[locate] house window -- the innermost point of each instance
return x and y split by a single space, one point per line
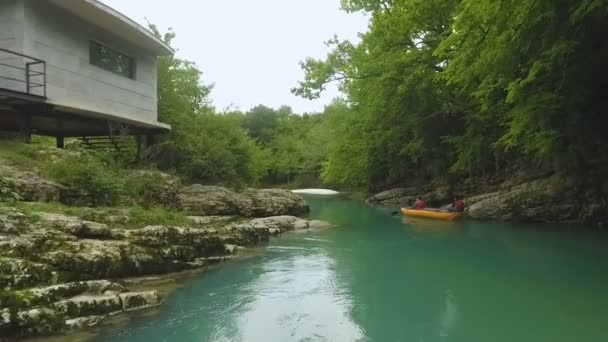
112 60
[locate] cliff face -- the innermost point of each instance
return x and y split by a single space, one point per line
540 197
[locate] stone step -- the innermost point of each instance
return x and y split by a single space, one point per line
106 304
74 313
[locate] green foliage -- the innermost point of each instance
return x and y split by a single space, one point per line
294 146
19 154
466 86
85 172
140 217
150 188
203 146
116 217
7 193
209 148
262 123
348 161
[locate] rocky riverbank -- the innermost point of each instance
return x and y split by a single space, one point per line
66 264
61 272
535 197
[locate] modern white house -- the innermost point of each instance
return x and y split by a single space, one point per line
76 68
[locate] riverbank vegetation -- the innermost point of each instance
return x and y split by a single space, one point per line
433 90
467 87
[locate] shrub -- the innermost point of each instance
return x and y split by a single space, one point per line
7 194
150 188
86 173
210 148
19 154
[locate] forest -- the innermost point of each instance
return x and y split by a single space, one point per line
433 89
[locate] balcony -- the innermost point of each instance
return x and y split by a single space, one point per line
22 74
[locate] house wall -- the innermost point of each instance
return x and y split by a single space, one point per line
11 38
62 40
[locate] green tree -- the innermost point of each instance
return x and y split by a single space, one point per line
401 105
348 157
533 70
203 145
465 86
261 123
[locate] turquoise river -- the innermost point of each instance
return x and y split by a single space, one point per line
378 277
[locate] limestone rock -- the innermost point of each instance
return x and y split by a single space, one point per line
77 227
139 300
62 291
83 322
7 226
29 185
202 200
88 305
301 224
34 321
213 200
32 245
318 224
403 197
69 224
273 202
518 195
277 224
105 259
18 273
284 223
94 230
216 259
536 201
390 197
211 220
178 242
231 249
245 234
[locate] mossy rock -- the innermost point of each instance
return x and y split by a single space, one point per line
18 274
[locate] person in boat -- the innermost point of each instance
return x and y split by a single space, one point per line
457 206
420 204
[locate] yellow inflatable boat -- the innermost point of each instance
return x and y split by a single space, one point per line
432 214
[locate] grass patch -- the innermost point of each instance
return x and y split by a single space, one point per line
20 154
115 217
141 217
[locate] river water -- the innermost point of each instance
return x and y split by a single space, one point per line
378 277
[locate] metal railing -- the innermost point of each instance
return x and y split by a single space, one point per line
22 73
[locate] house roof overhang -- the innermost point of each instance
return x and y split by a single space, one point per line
101 15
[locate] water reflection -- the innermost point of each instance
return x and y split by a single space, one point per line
449 316
379 278
298 299
425 226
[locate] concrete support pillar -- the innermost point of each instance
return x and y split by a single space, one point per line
60 141
138 142
149 140
25 127
60 134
